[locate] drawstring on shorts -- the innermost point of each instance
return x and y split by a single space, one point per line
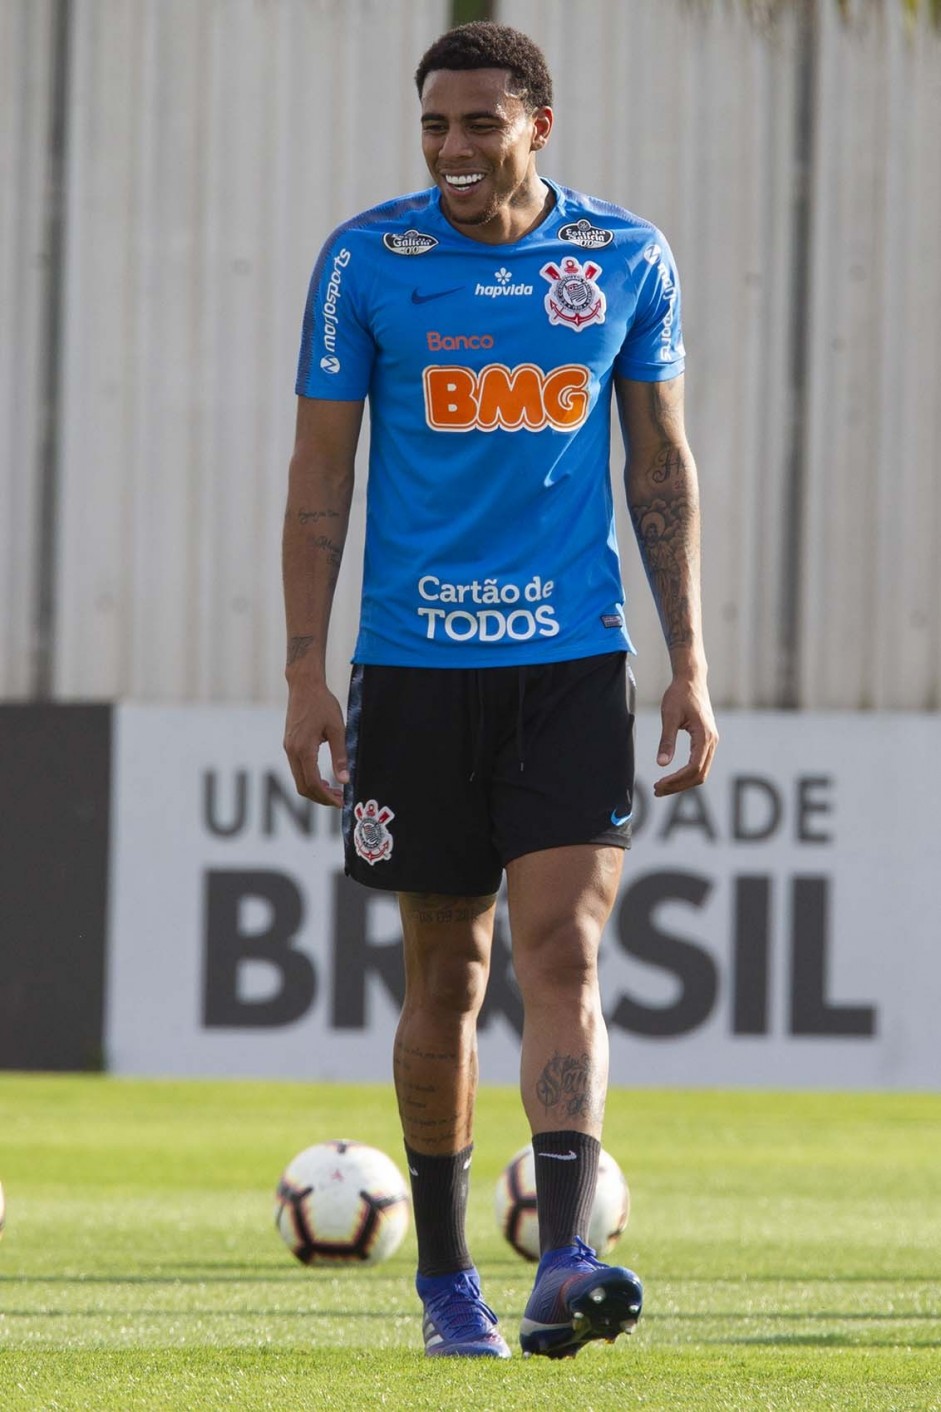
480 724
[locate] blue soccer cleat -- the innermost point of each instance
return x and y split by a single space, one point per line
457 1323
576 1298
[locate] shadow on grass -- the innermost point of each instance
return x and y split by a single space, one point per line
833 1340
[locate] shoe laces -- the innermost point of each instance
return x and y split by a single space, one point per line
584 1257
460 1312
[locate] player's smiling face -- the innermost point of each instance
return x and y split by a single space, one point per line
480 142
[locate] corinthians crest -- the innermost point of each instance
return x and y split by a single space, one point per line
574 298
371 839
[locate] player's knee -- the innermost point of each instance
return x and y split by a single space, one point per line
562 960
451 986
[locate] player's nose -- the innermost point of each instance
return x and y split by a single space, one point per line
454 145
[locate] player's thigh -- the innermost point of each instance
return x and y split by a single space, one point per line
447 941
559 902
415 816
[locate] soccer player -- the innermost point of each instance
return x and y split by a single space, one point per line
489 727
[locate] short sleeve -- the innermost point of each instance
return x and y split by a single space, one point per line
337 348
653 349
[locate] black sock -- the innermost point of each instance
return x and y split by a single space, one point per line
566 1175
439 1201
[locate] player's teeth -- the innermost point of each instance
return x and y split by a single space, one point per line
463 180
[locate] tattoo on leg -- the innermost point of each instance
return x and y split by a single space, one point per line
441 909
565 1084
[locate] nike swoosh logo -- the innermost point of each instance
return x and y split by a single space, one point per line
438 294
569 1156
619 819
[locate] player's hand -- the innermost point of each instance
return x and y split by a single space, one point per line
686 707
314 716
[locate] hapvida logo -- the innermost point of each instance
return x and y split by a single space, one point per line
504 286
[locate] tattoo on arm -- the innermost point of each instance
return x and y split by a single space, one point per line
306 517
662 527
299 647
333 551
664 511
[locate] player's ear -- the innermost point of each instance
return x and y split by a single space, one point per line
542 126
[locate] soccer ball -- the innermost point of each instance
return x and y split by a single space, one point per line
342 1203
515 1205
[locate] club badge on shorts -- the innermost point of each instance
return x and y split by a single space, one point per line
371 839
574 299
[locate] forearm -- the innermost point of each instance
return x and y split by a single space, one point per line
315 526
663 501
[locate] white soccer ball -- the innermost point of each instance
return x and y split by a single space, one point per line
342 1203
515 1205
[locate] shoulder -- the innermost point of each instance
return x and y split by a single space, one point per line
595 223
395 223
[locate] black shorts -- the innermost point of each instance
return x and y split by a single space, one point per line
454 772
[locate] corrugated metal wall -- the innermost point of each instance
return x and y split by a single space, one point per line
213 146
871 604
686 115
25 75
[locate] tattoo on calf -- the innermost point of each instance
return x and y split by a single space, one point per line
565 1085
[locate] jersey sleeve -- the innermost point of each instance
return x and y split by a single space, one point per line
337 347
653 349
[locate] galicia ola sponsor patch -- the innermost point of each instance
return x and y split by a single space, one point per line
371 837
585 234
408 242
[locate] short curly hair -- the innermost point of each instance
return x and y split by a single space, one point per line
482 44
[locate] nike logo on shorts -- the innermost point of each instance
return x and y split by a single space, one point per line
619 819
569 1156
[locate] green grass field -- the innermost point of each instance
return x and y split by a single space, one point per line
790 1246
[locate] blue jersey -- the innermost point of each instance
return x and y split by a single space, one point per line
490 534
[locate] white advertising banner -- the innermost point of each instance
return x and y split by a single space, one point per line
778 927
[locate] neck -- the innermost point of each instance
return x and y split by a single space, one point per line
523 214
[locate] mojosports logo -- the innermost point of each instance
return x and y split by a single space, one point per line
331 312
520 398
